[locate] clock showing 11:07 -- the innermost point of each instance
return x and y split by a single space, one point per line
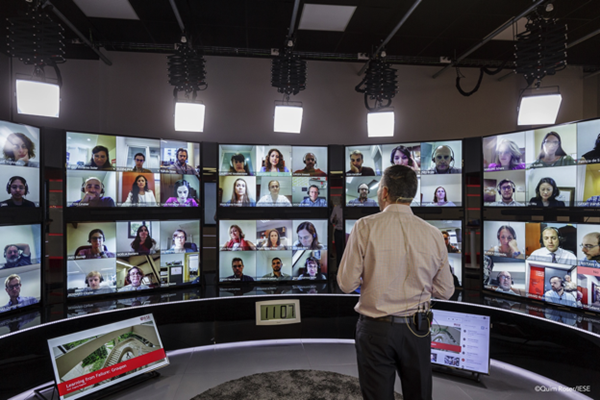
278 312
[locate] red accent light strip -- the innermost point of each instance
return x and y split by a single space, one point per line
55 234
474 186
56 191
474 209
473 195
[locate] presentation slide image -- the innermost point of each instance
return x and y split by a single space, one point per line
19 184
237 235
131 184
91 277
244 271
273 191
269 263
180 236
309 192
138 153
559 180
91 240
441 157
588 141
441 190
364 160
566 135
446 338
238 160
588 185
310 234
177 190
504 239
504 152
588 283
309 161
20 144
238 191
87 361
179 268
91 188
588 235
309 264
137 237
408 154
179 157
81 147
275 160
22 289
513 188
138 273
361 191
274 235
21 244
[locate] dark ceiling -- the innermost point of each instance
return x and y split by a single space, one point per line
437 28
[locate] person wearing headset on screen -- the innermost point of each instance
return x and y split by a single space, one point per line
97 249
507 244
273 199
308 238
274 162
140 195
508 157
443 160
590 246
143 243
313 199
276 274
99 159
93 284
238 165
140 159
363 200
134 280
237 240
93 190
19 150
401 156
557 294
181 166
506 188
239 196
440 199
17 188
312 270
182 188
12 285
310 162
551 252
356 165
552 153
546 192
504 283
17 255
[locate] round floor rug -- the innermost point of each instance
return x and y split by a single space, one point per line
288 385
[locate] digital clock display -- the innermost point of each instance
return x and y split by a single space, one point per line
275 312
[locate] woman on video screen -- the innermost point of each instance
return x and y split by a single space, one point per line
401 156
507 244
97 248
19 150
100 158
143 243
237 240
308 237
239 197
182 188
238 164
179 242
440 199
140 195
273 241
18 189
508 156
546 192
552 153
274 162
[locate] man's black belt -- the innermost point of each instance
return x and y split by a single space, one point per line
390 319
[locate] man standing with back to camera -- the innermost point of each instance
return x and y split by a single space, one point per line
384 255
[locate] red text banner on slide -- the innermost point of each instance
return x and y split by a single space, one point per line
445 346
588 271
109 372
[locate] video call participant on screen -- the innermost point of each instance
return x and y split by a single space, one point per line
449 247
178 243
508 156
356 165
17 255
504 283
593 156
570 286
180 166
239 196
552 252
546 192
401 156
273 241
552 153
140 159
237 265
507 244
93 190
440 198
17 188
140 195
143 243
310 162
238 164
596 304
236 240
274 199
274 162
93 281
363 200
97 249
590 246
19 150
313 199
506 188
12 285
308 239
443 159
99 158
383 250
276 265
312 268
134 280
182 188
557 294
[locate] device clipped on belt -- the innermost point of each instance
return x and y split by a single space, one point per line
423 319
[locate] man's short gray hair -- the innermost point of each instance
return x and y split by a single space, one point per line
401 182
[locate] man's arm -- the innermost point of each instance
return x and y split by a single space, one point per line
24 247
351 267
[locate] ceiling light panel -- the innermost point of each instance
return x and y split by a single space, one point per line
117 9
321 17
